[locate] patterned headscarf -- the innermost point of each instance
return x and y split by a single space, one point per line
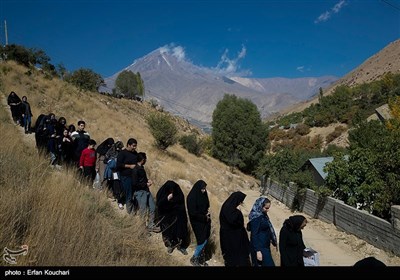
256 211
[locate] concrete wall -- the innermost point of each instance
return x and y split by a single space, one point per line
376 231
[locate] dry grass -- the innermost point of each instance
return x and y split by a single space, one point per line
66 223
62 221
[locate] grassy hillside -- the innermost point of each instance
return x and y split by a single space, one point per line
66 223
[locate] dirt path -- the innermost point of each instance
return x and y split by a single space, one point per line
336 247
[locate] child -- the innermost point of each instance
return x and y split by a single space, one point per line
87 161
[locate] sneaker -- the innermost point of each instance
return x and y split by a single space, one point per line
120 206
155 229
170 250
183 251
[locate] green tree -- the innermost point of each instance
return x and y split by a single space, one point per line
140 85
284 164
163 129
339 179
321 94
19 54
129 84
239 137
29 58
85 79
41 58
369 177
126 83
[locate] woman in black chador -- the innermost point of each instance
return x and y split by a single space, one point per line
235 244
198 206
171 212
14 102
291 245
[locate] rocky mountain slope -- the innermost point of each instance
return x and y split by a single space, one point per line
192 92
385 61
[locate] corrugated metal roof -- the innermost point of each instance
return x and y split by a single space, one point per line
383 112
319 164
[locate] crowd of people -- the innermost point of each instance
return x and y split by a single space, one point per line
120 170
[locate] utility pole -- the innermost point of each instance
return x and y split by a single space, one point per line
5 31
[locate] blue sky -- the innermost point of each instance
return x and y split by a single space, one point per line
252 38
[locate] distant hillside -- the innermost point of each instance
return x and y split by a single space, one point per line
386 60
301 88
192 92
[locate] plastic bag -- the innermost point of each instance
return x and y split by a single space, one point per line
310 257
96 182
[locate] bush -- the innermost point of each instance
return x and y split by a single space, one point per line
335 134
192 144
163 130
85 79
302 129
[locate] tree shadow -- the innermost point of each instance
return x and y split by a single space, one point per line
299 199
210 249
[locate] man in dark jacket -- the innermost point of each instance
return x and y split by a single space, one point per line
80 139
141 191
126 161
26 114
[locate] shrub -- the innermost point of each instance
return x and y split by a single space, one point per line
163 130
192 144
335 134
302 129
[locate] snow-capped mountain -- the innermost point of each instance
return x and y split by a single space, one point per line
192 92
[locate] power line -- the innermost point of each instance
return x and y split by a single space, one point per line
390 4
173 102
